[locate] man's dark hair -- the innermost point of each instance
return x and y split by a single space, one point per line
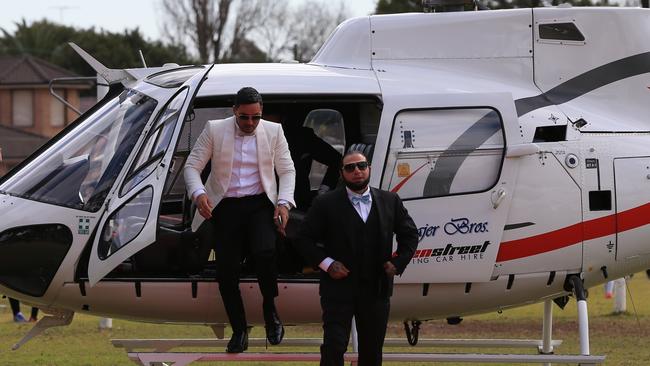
247 95
354 152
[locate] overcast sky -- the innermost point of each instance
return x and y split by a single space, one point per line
113 15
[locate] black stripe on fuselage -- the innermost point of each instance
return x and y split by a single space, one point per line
439 180
584 83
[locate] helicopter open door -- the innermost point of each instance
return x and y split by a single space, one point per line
130 217
448 156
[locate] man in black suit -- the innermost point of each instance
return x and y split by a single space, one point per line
348 233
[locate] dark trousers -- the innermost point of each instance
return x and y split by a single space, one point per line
371 316
15 308
244 229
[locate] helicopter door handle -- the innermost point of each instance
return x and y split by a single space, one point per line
160 170
497 197
515 151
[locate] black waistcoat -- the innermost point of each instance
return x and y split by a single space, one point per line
367 249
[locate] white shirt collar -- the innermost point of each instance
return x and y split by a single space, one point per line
352 193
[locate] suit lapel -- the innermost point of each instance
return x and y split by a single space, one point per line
226 153
264 159
352 214
381 212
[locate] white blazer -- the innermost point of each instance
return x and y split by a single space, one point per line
216 142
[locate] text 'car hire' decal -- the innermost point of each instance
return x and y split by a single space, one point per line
450 253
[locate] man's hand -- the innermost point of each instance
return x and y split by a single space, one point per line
390 269
204 205
337 270
281 217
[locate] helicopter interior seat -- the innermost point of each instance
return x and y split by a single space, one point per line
174 252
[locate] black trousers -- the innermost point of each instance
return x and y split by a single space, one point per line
244 230
371 316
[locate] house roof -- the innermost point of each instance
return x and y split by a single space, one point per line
27 69
17 144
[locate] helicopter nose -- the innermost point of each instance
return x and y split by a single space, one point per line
31 255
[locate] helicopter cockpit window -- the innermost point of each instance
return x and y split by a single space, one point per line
173 78
79 169
125 224
444 152
156 143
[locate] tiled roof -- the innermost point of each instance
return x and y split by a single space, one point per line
26 69
17 144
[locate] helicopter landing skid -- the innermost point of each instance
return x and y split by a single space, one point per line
161 354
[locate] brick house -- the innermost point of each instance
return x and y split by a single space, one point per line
28 112
16 145
25 100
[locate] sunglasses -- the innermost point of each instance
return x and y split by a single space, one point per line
362 165
246 117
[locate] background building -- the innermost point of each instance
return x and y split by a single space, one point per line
29 114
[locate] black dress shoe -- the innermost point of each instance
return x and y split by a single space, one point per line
274 328
238 342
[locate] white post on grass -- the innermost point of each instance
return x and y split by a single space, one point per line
620 298
106 323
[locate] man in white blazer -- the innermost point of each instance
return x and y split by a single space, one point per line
244 203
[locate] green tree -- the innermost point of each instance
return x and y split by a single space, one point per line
49 41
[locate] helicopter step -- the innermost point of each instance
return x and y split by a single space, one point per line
165 345
182 359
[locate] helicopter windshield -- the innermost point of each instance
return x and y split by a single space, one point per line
79 169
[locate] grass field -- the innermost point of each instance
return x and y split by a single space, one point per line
621 338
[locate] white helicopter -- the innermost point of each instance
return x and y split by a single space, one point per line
519 141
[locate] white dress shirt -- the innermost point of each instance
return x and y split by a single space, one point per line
245 176
363 209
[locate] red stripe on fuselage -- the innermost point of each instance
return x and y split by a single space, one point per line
574 234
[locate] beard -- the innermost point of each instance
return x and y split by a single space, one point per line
357 186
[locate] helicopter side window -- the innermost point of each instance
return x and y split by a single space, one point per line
125 224
80 167
328 125
560 32
156 143
444 152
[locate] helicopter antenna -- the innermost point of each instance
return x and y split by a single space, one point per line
144 64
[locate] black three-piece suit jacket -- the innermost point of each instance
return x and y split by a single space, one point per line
332 230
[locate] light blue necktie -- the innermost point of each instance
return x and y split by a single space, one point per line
361 199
